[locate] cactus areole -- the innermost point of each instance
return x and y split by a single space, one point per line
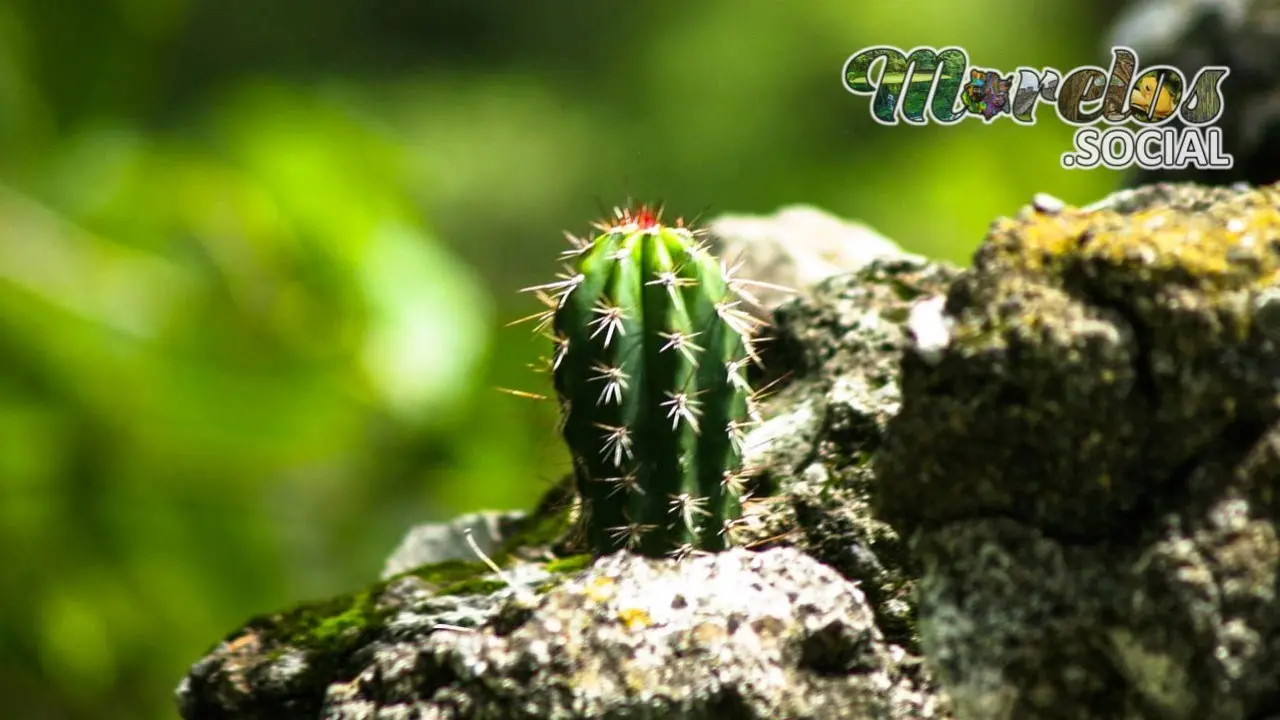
649 362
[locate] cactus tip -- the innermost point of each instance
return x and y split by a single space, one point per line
647 217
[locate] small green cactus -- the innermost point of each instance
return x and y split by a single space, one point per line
650 355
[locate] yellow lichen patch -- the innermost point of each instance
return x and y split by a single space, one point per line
588 679
635 618
708 633
1203 246
601 589
1226 246
637 681
1037 245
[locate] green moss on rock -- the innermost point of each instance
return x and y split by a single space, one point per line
475 586
325 627
332 627
571 564
444 574
549 527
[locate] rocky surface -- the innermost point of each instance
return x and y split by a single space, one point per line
1043 487
795 248
731 635
1088 468
432 543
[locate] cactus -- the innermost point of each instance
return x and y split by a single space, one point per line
649 363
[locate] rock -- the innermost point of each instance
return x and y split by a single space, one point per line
795 248
841 345
431 543
1087 470
735 634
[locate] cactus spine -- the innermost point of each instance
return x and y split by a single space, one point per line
650 355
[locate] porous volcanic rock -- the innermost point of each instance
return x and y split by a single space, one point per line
1086 464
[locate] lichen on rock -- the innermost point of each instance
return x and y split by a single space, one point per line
842 346
732 634
1094 353
1087 469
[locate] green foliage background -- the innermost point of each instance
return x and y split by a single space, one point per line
256 261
